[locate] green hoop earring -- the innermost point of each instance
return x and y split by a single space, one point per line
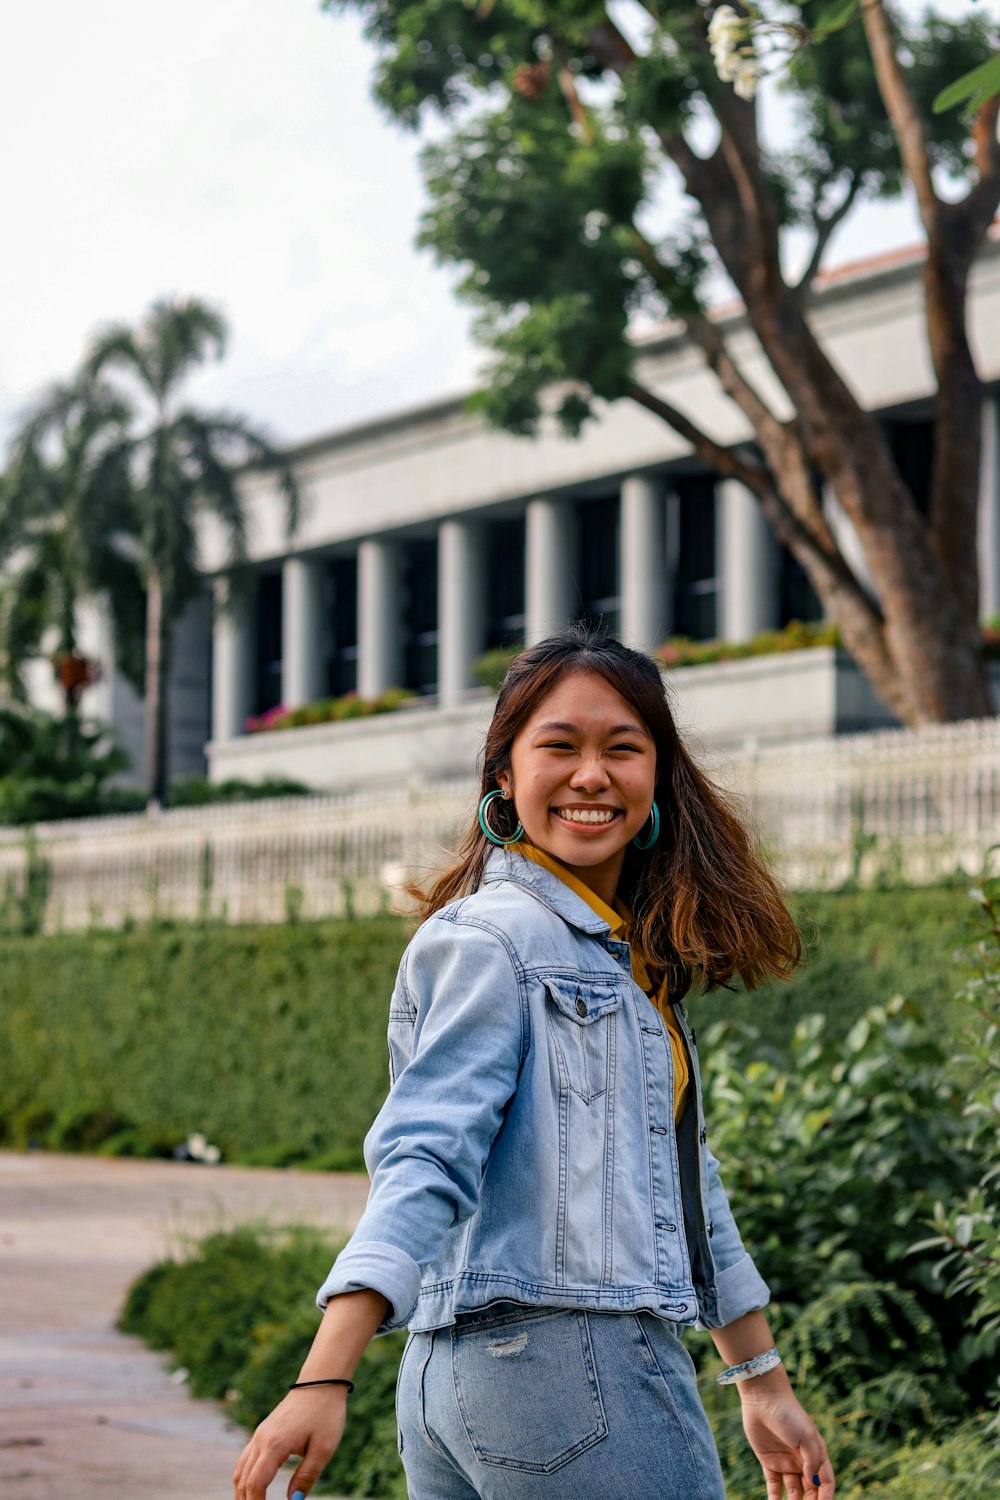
495 838
647 843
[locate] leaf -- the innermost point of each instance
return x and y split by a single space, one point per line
983 82
836 15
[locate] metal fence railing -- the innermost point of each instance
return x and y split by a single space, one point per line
907 804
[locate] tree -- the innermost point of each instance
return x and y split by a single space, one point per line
64 514
564 132
181 464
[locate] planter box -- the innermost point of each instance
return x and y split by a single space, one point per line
790 695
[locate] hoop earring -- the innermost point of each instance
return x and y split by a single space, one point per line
643 844
495 838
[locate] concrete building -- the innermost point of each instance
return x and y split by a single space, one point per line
429 538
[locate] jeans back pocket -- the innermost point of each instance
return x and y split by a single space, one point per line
527 1389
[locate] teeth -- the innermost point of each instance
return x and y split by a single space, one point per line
592 816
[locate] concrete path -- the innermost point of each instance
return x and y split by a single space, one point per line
85 1413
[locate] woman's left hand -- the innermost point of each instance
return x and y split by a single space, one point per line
787 1443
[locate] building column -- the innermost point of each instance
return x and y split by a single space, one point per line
645 601
847 540
989 511
748 564
232 665
380 655
461 607
302 674
550 563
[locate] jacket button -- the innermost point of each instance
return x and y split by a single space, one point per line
703 1135
658 1129
694 1037
581 1007
710 1228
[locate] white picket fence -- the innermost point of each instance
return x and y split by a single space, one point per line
909 805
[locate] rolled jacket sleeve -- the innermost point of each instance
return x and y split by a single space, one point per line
739 1286
458 1034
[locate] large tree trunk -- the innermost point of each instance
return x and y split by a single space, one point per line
156 664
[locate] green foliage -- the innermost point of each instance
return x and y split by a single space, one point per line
237 1313
198 791
544 190
968 1225
856 1138
973 88
797 635
270 1041
54 768
492 667
329 710
237 1031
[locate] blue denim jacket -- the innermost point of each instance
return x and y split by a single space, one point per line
527 1151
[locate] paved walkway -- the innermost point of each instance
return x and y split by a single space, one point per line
85 1413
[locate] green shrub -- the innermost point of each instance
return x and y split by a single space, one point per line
58 768
205 1309
833 1162
198 791
271 1040
492 667
238 1314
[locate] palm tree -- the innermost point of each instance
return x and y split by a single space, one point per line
64 517
182 464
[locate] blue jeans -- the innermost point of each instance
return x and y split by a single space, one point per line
554 1404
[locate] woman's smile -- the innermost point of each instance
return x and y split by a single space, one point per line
588 817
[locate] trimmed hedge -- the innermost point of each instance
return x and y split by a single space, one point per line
270 1041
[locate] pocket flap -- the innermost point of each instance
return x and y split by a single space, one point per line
584 1000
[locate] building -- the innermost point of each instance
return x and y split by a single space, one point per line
429 538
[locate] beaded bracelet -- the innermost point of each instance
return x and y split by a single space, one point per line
751 1367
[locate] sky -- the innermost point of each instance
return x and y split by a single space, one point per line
229 149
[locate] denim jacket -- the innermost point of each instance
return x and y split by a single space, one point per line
527 1151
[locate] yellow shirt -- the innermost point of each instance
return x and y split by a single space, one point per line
619 919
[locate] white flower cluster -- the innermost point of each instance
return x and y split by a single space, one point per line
197 1148
732 50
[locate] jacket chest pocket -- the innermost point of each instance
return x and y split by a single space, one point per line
581 1016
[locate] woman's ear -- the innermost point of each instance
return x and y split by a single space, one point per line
505 784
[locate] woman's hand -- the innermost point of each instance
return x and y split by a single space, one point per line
787 1443
307 1422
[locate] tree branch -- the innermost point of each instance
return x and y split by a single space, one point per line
902 110
824 226
981 202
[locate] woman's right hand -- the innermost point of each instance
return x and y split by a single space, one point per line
307 1422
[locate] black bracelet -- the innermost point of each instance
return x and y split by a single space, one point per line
299 1384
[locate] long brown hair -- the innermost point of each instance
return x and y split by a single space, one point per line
704 902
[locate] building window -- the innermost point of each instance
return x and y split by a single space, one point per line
419 568
692 552
505 583
341 613
267 675
912 444
597 569
798 599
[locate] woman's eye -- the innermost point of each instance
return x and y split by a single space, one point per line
557 745
626 747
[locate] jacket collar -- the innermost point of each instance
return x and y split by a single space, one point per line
505 864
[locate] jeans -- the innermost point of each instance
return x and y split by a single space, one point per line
562 1404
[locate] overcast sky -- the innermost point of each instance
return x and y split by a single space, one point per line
229 149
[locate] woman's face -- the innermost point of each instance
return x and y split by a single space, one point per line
582 775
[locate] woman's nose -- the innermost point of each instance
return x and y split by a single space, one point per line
590 776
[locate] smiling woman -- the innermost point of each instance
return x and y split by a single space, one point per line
545 1213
